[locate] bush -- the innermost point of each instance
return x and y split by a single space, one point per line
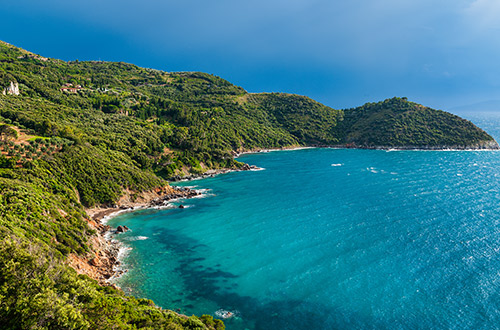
7 162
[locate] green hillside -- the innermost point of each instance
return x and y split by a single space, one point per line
399 123
80 133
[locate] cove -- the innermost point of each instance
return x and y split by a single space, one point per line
329 239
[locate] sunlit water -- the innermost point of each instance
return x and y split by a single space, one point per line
330 239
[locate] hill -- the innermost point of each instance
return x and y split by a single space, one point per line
75 135
398 123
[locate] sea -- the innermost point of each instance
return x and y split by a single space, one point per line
329 239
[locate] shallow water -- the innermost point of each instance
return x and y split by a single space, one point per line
330 239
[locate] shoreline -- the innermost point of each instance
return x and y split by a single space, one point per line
491 147
260 150
102 264
383 148
486 145
209 174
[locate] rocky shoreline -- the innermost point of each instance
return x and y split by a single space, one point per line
212 173
101 265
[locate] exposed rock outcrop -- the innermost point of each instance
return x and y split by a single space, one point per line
121 229
101 263
173 194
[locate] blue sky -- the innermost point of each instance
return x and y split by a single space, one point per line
342 53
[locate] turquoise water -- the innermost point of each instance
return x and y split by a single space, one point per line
330 239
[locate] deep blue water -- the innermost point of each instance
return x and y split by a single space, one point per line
331 239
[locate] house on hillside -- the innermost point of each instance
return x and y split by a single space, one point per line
12 89
70 88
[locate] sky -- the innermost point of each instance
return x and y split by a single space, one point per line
343 53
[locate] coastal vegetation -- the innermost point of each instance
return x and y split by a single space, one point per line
81 133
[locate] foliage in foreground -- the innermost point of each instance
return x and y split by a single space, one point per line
38 292
41 222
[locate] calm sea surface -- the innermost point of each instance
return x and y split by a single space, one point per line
331 239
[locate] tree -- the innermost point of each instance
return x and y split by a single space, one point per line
7 133
7 162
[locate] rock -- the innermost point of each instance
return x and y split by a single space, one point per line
95 262
121 229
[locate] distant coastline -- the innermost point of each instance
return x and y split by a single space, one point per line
487 145
491 147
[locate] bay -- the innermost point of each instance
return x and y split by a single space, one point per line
330 239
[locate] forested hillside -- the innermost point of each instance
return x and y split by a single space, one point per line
399 123
77 134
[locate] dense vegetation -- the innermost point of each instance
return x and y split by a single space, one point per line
38 292
41 222
80 133
399 123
